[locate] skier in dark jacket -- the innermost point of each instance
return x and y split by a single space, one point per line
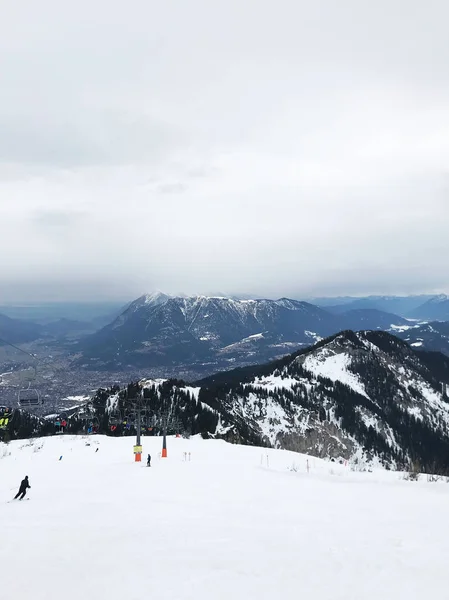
23 489
149 461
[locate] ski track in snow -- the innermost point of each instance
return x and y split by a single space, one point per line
233 522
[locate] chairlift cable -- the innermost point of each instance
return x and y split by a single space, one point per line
18 348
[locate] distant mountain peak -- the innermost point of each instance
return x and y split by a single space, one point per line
152 299
435 309
439 298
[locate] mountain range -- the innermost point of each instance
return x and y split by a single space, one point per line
423 308
160 330
404 306
203 334
435 309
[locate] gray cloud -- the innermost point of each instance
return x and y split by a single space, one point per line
296 148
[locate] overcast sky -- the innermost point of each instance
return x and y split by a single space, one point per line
268 147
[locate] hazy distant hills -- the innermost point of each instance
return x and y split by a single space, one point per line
43 313
434 309
28 323
404 306
17 331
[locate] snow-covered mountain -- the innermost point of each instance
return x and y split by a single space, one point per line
435 309
352 394
160 330
366 395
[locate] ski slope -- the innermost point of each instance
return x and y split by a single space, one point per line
234 522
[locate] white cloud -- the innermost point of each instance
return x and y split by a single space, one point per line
275 148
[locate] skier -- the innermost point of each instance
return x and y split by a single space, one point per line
149 461
24 485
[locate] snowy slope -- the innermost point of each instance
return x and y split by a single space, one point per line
325 363
365 394
227 524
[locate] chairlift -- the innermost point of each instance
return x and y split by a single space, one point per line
86 415
28 397
115 417
150 422
114 420
89 410
129 420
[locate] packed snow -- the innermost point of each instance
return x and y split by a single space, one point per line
213 521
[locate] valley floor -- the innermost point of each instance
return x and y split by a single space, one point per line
232 522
